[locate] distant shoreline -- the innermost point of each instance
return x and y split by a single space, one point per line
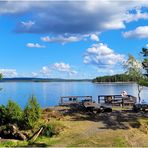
43 80
57 80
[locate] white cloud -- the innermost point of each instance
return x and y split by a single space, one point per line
28 24
55 70
70 38
34 45
46 71
61 39
34 74
101 56
8 73
139 32
135 17
63 67
146 45
94 37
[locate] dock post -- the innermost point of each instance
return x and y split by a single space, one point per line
98 99
61 100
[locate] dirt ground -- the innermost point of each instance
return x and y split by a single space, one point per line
117 128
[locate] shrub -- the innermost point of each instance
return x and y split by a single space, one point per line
52 129
13 112
32 113
2 115
49 130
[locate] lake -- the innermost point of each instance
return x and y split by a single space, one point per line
48 93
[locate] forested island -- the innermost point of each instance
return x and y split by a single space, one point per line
115 78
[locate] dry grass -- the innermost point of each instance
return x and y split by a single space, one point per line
121 128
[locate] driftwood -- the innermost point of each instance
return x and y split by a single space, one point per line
36 134
12 132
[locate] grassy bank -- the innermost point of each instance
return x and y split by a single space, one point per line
79 129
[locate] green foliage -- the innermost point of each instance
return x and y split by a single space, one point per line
3 114
116 78
49 130
32 113
143 82
13 143
145 60
144 52
1 76
119 142
52 129
13 112
133 67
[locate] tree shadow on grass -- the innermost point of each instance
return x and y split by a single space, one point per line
35 144
117 119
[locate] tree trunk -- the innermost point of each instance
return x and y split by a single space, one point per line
139 91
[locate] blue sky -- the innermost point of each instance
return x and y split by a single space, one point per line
70 39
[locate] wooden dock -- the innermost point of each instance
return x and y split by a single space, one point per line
117 100
67 100
84 102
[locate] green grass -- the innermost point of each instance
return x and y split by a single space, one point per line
13 143
43 141
120 142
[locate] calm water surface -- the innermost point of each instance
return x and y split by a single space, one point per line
48 93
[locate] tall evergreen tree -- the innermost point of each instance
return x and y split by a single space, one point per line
144 53
32 113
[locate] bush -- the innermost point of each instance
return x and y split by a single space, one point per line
2 115
49 130
13 112
32 113
52 129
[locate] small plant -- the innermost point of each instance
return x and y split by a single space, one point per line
32 113
52 129
49 130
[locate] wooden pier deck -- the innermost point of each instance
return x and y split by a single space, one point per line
84 102
67 100
117 100
105 102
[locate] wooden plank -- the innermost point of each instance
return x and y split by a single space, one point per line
72 99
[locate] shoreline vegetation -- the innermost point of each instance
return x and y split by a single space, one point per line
67 126
115 78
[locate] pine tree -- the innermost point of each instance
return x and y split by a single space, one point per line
32 113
